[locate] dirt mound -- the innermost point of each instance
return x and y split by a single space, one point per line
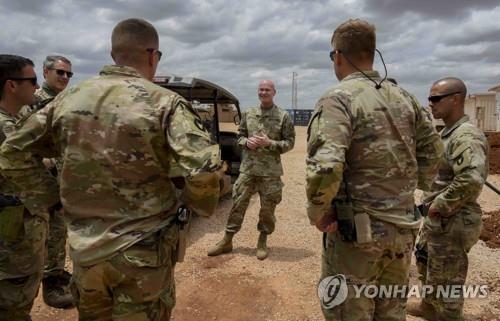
491 229
494 140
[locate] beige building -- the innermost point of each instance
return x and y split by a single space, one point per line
483 110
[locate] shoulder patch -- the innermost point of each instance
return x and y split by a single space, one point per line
199 124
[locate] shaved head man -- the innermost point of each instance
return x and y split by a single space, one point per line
453 223
266 93
447 98
265 132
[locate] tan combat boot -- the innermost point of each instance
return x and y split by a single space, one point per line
422 309
224 246
262 250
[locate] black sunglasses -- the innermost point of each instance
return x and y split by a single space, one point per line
155 50
33 80
333 52
437 98
61 72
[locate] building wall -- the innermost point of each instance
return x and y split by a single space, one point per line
483 111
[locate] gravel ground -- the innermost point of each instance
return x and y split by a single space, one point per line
238 287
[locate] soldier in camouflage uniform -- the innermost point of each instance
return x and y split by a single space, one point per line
118 135
370 145
453 223
57 72
22 234
265 132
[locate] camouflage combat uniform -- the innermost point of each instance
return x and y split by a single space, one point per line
22 247
448 239
43 96
56 238
118 135
382 142
261 168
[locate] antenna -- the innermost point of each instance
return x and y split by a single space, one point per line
294 90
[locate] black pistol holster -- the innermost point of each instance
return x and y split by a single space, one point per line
424 209
343 208
345 219
353 227
183 219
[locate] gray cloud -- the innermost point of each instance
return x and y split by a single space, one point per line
235 44
26 6
428 8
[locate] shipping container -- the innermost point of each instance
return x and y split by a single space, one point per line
300 117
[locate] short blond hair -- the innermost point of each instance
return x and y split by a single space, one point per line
355 38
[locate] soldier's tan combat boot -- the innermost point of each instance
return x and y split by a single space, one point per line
224 246
56 291
422 309
262 250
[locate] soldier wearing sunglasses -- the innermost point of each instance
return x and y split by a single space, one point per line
57 73
22 233
56 293
370 145
453 223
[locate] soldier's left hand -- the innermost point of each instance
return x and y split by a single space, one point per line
263 140
433 212
327 224
252 143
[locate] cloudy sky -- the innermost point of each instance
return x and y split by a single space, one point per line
237 43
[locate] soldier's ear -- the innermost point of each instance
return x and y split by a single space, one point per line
10 85
112 56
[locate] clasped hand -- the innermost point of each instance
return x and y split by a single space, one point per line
257 141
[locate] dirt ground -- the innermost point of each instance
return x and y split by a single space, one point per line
494 140
238 287
491 229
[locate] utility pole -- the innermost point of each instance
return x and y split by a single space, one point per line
294 90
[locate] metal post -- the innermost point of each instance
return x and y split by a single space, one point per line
294 90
